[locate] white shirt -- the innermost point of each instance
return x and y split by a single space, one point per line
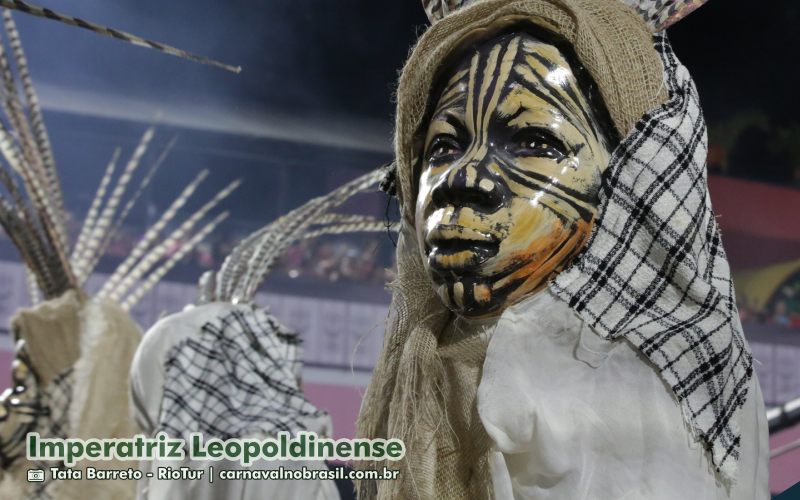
574 416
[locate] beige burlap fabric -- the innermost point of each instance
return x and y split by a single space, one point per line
93 340
51 331
609 38
423 392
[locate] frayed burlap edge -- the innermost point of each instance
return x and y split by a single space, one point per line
410 399
609 38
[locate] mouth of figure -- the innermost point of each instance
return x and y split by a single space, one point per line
453 249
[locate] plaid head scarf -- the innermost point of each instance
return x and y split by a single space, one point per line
654 271
238 377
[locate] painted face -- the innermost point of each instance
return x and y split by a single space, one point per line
509 175
20 406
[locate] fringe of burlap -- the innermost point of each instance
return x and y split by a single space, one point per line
424 394
611 41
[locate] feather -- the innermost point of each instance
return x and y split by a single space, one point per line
8 181
112 233
42 208
40 134
154 254
151 234
360 227
35 10
107 214
28 244
28 162
273 243
94 208
343 219
34 293
159 273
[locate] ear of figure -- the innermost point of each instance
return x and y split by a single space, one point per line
510 171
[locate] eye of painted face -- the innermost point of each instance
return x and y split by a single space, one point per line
539 142
510 171
444 147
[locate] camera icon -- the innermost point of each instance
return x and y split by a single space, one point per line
35 476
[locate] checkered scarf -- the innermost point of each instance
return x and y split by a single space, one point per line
655 273
239 377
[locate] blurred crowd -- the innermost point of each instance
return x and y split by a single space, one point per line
782 311
365 259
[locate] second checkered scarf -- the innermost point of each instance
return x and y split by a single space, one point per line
239 377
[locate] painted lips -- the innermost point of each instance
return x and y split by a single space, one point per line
457 248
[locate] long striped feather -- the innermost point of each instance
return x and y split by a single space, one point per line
7 180
112 233
39 129
155 254
34 292
358 227
151 234
35 10
272 245
24 161
342 219
159 273
41 207
235 267
94 209
29 245
104 221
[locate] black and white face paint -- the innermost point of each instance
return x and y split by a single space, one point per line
510 172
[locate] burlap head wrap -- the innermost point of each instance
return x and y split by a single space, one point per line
610 39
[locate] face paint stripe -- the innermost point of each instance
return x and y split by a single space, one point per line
559 211
583 212
507 57
575 97
453 91
470 111
489 76
533 84
511 283
578 196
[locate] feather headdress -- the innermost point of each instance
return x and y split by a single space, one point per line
32 212
243 271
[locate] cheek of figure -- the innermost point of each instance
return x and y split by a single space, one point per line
509 174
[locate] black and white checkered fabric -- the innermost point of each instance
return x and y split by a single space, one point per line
238 378
54 424
654 271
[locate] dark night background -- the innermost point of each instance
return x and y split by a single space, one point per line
313 105
336 61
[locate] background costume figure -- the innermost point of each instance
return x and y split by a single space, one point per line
73 349
228 369
563 323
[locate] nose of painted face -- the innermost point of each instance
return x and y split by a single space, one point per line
510 172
